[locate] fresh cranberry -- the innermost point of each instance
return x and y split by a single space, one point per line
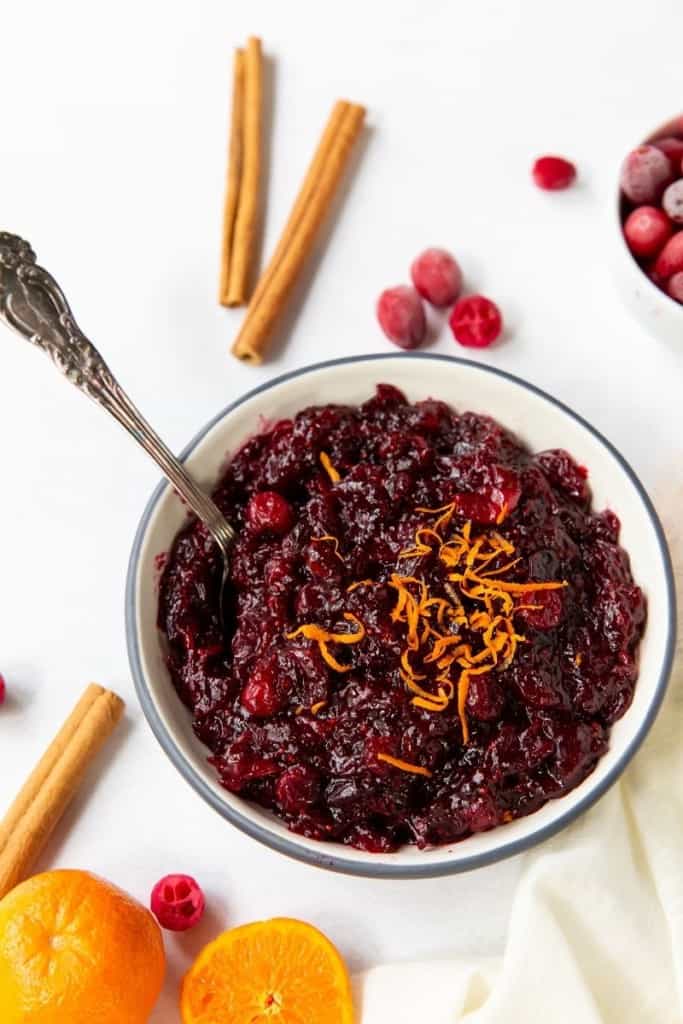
672 147
672 201
646 230
437 277
261 695
401 316
178 903
645 174
675 286
552 173
298 788
269 512
3 689
476 322
670 259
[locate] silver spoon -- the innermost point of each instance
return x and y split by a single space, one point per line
32 303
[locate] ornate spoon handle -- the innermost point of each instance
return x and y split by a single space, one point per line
34 305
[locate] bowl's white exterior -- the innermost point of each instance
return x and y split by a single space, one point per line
541 423
661 315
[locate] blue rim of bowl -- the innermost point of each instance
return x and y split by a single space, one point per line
319 857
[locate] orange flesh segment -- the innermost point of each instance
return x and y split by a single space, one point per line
272 972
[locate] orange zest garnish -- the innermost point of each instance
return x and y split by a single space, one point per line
326 463
360 583
323 637
315 708
475 574
405 766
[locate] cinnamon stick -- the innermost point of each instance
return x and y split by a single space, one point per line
54 781
245 233
313 175
309 211
234 177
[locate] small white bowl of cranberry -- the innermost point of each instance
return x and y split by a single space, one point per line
650 211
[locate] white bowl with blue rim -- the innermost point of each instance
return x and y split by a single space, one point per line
656 311
537 419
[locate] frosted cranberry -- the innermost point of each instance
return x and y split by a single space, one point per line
672 201
645 174
646 230
401 316
672 147
298 788
269 512
476 322
3 689
178 903
260 694
437 277
552 173
670 259
675 286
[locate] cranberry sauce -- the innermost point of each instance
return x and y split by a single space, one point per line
429 631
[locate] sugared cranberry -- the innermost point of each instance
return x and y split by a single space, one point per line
437 277
476 322
3 689
401 316
178 903
646 230
269 512
261 695
298 788
672 147
672 201
645 174
552 173
675 286
670 259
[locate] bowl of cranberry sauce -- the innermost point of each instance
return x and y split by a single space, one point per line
649 260
450 616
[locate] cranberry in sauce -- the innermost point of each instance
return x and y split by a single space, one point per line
304 703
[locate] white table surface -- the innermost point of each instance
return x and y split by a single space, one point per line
112 156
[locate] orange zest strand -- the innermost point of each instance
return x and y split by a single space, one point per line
330 659
360 583
335 541
315 708
323 637
326 463
405 766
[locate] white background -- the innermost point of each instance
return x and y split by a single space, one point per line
112 159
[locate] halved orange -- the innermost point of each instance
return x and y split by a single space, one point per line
272 972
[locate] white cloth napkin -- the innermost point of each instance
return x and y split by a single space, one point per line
596 933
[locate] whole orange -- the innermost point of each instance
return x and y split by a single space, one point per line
74 949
